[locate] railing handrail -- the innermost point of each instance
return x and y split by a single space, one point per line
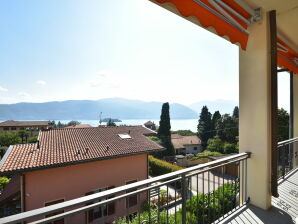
87 199
286 142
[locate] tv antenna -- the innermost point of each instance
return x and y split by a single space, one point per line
100 121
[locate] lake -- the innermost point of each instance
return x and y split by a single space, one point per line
190 124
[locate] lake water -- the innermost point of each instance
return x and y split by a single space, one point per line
188 124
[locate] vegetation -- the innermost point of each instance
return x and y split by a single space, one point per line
164 132
159 167
218 145
155 138
111 123
202 208
24 134
10 138
33 139
62 125
3 182
184 132
205 126
205 155
283 118
2 151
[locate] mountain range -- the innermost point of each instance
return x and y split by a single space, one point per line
89 110
223 106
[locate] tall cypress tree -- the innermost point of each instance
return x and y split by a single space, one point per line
205 126
164 123
164 130
215 117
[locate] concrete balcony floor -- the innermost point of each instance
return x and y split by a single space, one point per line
284 209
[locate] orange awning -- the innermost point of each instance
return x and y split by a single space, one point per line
225 16
287 57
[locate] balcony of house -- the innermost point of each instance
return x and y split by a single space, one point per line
214 192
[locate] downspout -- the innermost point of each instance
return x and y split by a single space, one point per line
23 194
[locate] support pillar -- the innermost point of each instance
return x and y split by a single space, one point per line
295 117
255 103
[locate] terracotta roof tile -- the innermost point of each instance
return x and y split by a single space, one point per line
181 141
64 146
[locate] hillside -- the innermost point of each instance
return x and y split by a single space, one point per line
88 109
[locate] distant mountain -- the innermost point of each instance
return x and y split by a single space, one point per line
90 110
224 106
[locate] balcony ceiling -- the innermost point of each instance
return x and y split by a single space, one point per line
287 17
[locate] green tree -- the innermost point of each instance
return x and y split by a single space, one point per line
283 118
236 112
164 123
164 131
205 126
24 134
227 128
110 123
9 138
73 123
215 117
2 151
184 132
215 145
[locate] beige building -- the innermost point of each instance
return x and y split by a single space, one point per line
186 144
32 126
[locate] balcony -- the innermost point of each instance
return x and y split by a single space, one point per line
214 192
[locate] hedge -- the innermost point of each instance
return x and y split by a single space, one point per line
205 155
159 167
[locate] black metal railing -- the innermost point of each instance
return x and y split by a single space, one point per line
286 155
204 193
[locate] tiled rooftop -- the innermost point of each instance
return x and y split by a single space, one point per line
11 123
181 141
65 146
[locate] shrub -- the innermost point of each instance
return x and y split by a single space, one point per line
215 145
159 167
230 148
33 139
2 150
184 132
3 182
9 138
205 155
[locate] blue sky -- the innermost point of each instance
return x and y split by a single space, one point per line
77 49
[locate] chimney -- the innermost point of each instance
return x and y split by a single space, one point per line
38 145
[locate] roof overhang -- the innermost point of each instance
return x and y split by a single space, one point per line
230 19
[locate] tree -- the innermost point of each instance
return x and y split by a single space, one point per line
230 148
110 123
205 126
215 117
215 145
164 123
33 139
283 118
24 135
164 131
3 182
184 132
9 138
73 123
236 112
227 128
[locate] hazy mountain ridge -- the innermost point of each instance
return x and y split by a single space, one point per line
88 109
224 106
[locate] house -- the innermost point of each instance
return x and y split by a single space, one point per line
186 144
68 163
32 126
151 125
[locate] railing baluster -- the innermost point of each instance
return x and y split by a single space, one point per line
183 195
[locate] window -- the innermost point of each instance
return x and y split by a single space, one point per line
13 128
195 148
6 129
132 200
60 221
100 211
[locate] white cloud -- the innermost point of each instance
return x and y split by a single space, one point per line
41 82
103 73
95 83
24 95
2 89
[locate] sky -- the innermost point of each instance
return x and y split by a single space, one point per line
55 50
